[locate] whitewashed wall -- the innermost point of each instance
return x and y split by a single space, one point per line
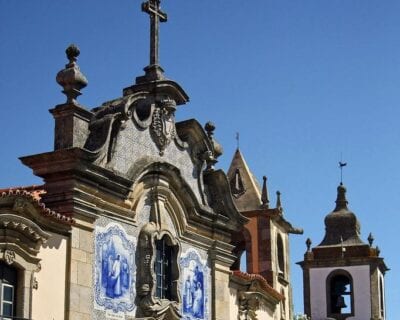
361 288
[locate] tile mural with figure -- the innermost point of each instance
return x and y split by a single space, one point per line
115 269
194 286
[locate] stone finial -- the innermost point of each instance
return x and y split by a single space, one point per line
278 200
308 244
371 239
341 201
378 251
217 148
71 78
210 128
264 194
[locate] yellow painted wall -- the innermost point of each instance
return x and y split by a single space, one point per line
48 301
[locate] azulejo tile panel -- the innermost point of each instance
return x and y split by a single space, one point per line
115 270
195 284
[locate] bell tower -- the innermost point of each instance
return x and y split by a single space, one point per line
343 276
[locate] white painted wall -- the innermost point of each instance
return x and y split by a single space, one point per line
233 301
265 313
361 288
48 301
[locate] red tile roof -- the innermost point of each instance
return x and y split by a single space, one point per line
34 194
261 280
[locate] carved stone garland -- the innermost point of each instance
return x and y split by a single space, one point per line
248 306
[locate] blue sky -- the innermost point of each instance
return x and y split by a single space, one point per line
303 81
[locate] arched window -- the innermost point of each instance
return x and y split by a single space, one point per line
242 251
340 294
8 287
243 261
281 255
381 298
163 269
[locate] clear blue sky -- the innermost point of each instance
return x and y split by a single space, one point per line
302 80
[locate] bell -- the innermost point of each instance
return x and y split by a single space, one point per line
340 303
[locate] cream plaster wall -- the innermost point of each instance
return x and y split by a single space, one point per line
361 288
233 304
275 230
266 313
48 301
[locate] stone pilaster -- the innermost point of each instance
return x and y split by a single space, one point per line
221 260
80 302
71 125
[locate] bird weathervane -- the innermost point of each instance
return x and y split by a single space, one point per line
153 8
341 165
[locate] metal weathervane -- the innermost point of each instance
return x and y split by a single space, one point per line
341 165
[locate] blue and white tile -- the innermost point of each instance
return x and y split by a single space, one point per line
115 270
195 285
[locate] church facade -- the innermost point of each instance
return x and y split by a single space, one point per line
133 221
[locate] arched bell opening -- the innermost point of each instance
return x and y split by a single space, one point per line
340 295
280 255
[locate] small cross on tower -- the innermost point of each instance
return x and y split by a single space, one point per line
152 7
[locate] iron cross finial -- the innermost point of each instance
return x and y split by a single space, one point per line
152 7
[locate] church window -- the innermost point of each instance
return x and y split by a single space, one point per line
8 284
281 255
381 298
236 183
243 261
163 269
340 294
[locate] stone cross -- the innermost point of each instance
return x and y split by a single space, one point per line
152 7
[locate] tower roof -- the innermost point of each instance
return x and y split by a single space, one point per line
341 225
244 186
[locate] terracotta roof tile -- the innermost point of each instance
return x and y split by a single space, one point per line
34 194
264 284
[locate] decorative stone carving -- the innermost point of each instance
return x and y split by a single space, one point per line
248 305
18 230
35 284
19 205
162 128
148 304
9 256
71 78
215 150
